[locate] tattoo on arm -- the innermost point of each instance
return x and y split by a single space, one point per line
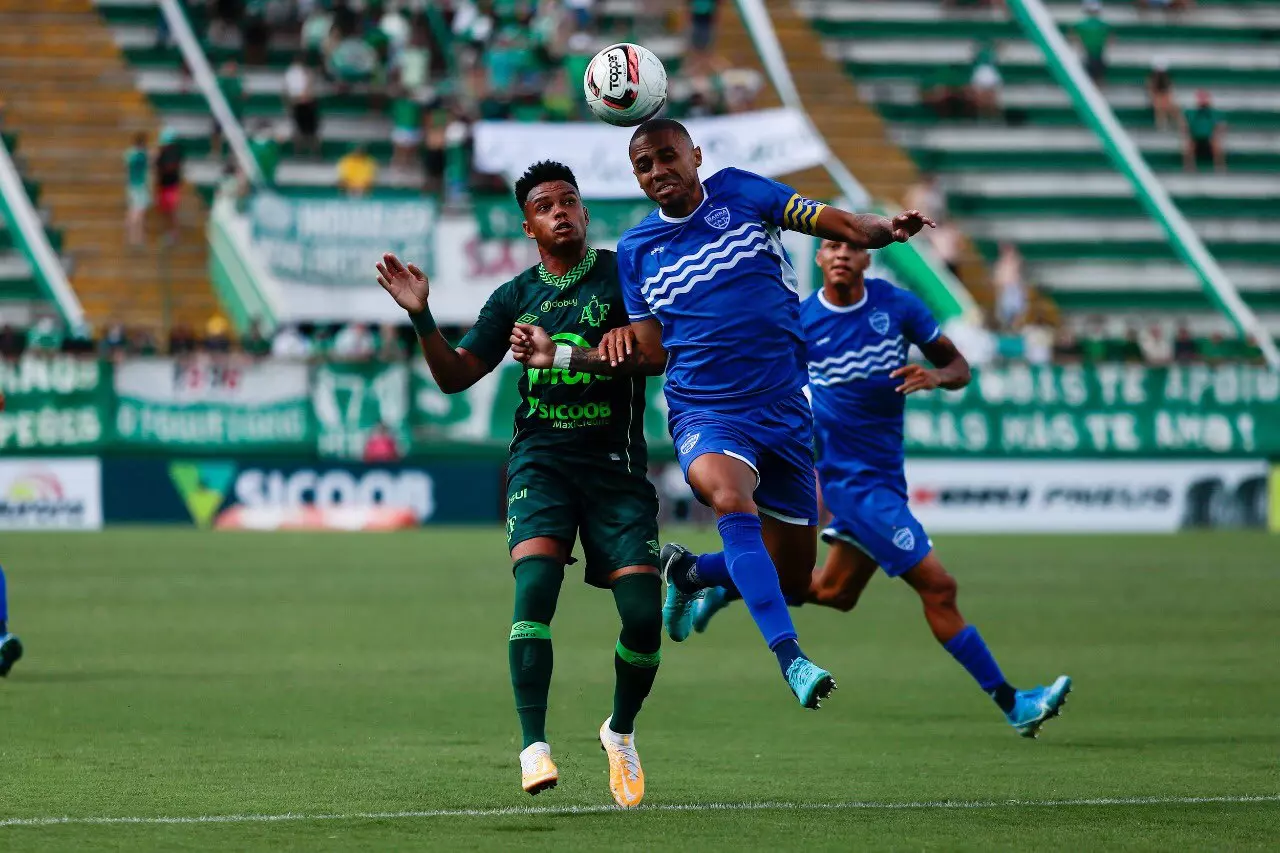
592 361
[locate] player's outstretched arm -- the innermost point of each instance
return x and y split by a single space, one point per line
950 369
868 230
533 347
453 370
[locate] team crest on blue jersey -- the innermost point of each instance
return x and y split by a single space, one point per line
718 218
880 322
690 442
905 539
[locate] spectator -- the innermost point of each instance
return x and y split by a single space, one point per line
233 185
290 343
168 166
12 342
457 159
1203 136
946 92
1128 349
115 343
315 31
137 169
254 343
79 340
1037 343
1066 349
255 32
1009 277
1185 350
142 342
581 12
349 59
357 171
406 131
46 336
702 21
985 82
217 335
1093 345
182 341
1157 349
391 343
300 91
413 63
381 446
265 148
1217 349
1164 105
353 342
1093 35
232 88
433 161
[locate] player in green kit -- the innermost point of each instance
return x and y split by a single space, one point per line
577 467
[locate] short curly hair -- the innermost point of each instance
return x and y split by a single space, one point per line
540 173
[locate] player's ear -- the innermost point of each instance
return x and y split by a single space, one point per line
586 215
697 156
528 232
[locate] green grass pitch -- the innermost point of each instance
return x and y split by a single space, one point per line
184 674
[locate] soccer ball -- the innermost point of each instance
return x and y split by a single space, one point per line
625 84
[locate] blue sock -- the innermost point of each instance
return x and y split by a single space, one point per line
4 604
754 575
969 649
712 570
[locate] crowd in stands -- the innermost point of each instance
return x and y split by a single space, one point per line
434 68
1101 341
975 92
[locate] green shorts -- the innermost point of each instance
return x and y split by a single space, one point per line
613 511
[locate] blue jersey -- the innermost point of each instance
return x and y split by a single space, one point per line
857 413
723 288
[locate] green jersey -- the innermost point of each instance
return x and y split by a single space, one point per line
563 411
1093 34
136 166
1202 122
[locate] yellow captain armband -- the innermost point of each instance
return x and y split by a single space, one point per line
801 214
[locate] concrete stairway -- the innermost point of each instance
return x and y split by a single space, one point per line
73 100
852 128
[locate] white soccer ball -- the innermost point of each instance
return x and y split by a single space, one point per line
625 84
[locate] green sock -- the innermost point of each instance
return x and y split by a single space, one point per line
538 582
635 660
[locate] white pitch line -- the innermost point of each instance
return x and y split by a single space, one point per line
529 811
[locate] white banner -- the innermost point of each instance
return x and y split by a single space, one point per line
1085 496
50 494
229 381
769 142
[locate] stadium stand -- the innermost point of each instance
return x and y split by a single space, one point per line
74 106
1034 174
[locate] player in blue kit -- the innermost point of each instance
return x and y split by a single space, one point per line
858 332
711 296
10 646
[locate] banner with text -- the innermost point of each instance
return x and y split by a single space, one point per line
1101 410
54 403
214 405
337 241
772 143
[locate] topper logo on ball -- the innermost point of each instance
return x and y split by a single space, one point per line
615 70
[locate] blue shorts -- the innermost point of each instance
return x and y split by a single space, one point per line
875 519
775 440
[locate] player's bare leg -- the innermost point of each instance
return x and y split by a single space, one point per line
538 567
728 483
793 549
1026 710
842 577
637 594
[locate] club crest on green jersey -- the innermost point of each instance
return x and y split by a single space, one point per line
594 313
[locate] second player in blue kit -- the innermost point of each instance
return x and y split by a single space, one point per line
858 333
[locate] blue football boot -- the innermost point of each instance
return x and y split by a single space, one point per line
1035 706
677 610
712 602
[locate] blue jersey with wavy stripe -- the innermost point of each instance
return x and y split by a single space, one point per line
857 414
723 288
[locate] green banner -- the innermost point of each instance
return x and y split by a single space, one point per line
54 403
338 240
208 405
65 404
1103 410
352 400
